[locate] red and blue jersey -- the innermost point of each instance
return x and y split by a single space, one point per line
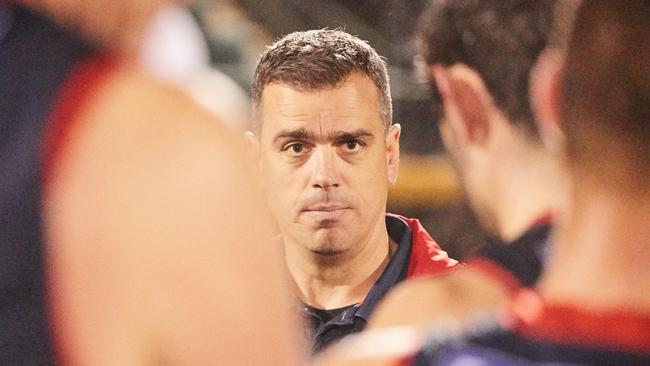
538 333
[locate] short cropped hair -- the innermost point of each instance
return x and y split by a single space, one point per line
500 39
606 89
317 59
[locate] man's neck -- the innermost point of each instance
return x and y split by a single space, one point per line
338 281
601 253
530 187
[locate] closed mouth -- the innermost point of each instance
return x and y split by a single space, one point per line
325 208
324 214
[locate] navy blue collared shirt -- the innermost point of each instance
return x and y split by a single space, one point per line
524 258
324 332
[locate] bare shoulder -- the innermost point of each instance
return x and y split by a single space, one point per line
421 301
146 151
149 116
154 206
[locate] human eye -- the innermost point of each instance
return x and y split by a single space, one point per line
352 145
296 149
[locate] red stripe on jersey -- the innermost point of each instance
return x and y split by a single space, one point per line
73 98
618 330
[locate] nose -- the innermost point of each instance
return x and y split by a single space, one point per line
325 175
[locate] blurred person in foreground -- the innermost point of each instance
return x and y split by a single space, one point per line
125 210
327 152
592 304
479 57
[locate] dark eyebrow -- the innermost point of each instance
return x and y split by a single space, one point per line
303 134
352 135
299 134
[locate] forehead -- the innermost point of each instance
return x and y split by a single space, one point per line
351 105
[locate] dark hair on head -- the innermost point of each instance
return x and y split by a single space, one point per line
500 39
606 88
563 19
318 59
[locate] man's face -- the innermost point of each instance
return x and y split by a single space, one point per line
326 163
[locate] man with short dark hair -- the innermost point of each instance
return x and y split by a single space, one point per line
478 56
327 152
593 301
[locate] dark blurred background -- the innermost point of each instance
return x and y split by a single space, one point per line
238 30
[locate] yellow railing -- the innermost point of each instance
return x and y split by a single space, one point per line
424 181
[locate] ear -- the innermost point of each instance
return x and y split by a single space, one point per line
392 151
545 95
466 101
252 145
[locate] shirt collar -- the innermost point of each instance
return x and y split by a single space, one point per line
395 271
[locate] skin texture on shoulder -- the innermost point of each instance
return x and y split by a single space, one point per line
421 302
158 241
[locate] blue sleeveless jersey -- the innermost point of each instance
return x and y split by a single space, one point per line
36 58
